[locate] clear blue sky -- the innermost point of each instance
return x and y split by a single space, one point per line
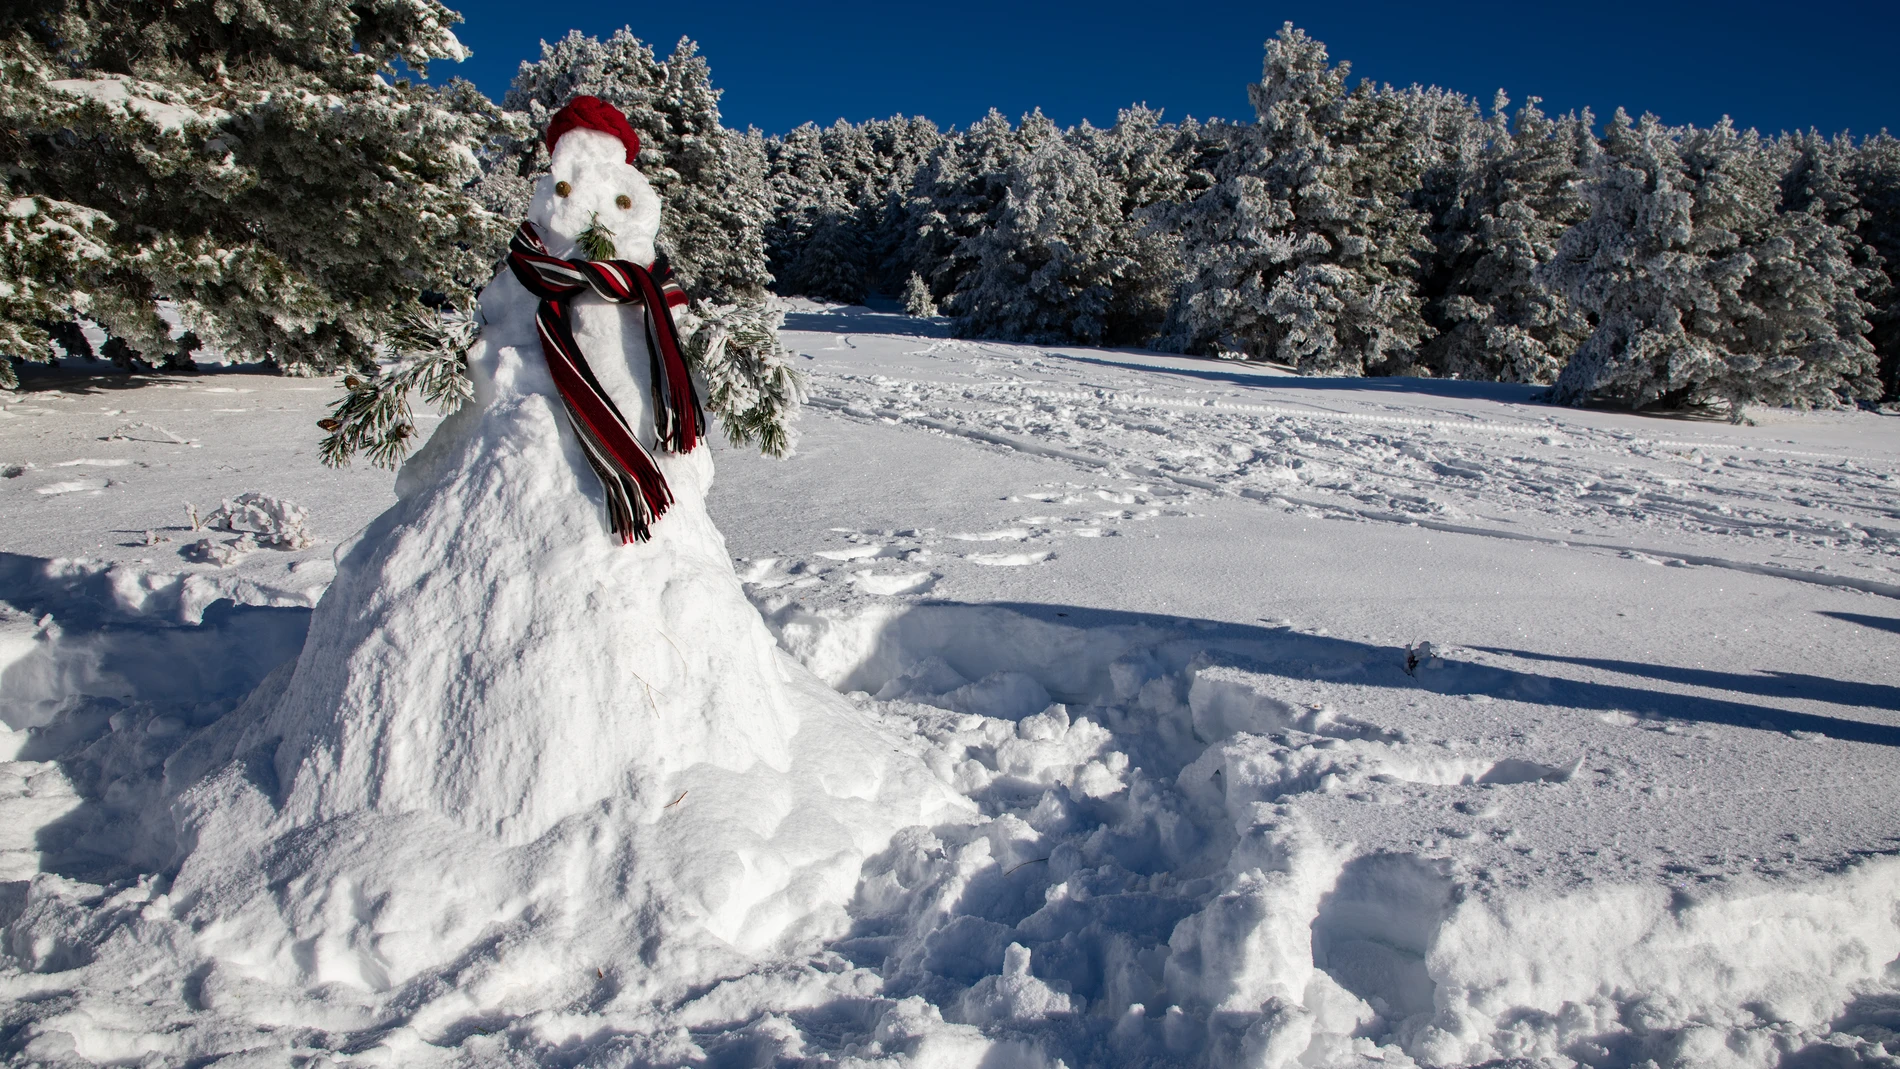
1831 65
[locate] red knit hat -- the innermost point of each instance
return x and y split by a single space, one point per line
593 113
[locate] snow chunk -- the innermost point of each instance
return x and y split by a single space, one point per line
271 521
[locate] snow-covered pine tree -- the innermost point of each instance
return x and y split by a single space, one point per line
839 224
1072 254
1148 163
713 185
1306 249
800 182
1874 170
833 260
1702 290
258 164
900 148
917 300
1046 265
1497 321
955 197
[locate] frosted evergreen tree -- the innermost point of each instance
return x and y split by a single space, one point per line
1072 254
840 221
1874 171
1047 264
1305 251
800 182
258 164
1702 290
833 262
917 300
1525 189
1148 163
955 198
900 147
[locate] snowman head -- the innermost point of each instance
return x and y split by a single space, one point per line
591 180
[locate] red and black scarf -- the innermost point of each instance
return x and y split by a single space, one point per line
637 494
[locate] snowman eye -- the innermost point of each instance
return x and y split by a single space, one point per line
562 189
623 202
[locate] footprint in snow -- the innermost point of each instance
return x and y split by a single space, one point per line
1007 534
899 583
71 486
860 552
1009 560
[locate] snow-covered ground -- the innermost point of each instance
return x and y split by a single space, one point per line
1319 722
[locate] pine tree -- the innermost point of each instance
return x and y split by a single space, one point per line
1702 290
801 184
1497 321
1147 162
256 164
1072 253
954 199
917 301
900 148
832 263
1874 171
1046 265
1306 250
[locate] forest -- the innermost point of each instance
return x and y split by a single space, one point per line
286 198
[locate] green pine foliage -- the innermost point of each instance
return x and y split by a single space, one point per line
596 241
751 385
374 418
258 164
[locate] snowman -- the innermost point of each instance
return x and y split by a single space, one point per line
535 705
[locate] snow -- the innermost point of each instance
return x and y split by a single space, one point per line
1313 722
127 93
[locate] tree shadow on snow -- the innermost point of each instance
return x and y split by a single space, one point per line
857 319
1882 623
1768 684
1227 372
1294 654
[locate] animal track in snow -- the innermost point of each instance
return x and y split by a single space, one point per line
858 552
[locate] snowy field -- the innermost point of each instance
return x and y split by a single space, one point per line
1306 722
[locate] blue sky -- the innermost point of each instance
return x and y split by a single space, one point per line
1831 65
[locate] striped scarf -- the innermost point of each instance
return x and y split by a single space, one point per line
637 494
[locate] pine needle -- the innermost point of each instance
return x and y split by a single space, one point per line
374 418
596 241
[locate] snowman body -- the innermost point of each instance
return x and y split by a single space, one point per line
504 583
506 724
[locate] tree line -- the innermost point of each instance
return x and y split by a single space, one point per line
260 179
1369 230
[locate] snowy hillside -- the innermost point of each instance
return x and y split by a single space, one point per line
1306 722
